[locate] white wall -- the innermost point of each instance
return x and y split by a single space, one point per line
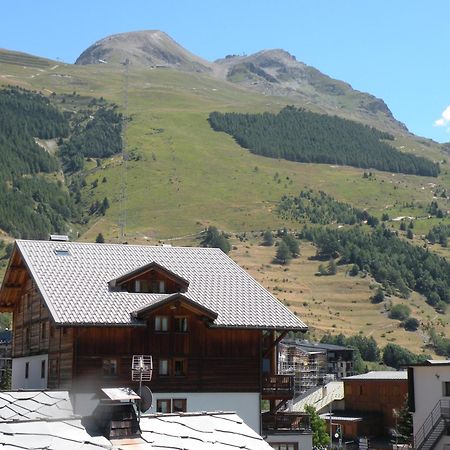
246 405
34 380
304 441
428 390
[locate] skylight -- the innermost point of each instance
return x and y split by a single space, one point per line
62 252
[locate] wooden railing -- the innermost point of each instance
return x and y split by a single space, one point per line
278 386
285 422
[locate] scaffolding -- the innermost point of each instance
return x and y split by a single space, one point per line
308 368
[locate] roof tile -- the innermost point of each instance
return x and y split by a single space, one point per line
76 288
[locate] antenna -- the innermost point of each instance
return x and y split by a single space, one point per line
123 179
141 370
146 399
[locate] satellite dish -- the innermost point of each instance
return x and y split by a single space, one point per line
146 399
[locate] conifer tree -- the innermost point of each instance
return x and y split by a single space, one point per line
283 254
268 238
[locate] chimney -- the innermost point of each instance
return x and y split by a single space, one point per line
115 414
59 237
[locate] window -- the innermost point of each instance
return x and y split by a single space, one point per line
163 367
446 386
137 286
44 330
168 405
163 406
43 368
360 389
179 405
141 286
162 287
285 446
181 324
179 367
161 323
110 367
27 369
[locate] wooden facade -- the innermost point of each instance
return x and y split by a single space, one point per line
34 333
212 359
381 396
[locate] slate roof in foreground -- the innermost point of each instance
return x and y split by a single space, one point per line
34 405
74 284
195 431
186 431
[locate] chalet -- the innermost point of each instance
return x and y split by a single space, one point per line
371 400
82 310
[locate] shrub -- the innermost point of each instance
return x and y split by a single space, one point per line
379 296
400 312
354 270
411 324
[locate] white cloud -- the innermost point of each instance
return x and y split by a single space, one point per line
444 120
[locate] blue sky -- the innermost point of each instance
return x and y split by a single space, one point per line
395 49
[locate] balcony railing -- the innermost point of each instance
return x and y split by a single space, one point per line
278 386
285 422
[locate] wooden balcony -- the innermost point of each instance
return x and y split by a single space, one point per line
278 387
289 422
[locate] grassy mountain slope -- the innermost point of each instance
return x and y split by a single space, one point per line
183 176
336 304
187 175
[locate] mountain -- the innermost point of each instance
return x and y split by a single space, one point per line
180 176
271 72
276 72
149 48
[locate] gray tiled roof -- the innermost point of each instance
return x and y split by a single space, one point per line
381 375
75 285
196 431
188 431
68 434
34 405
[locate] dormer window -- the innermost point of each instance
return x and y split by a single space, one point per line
151 279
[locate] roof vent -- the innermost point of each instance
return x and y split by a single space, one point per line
59 237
